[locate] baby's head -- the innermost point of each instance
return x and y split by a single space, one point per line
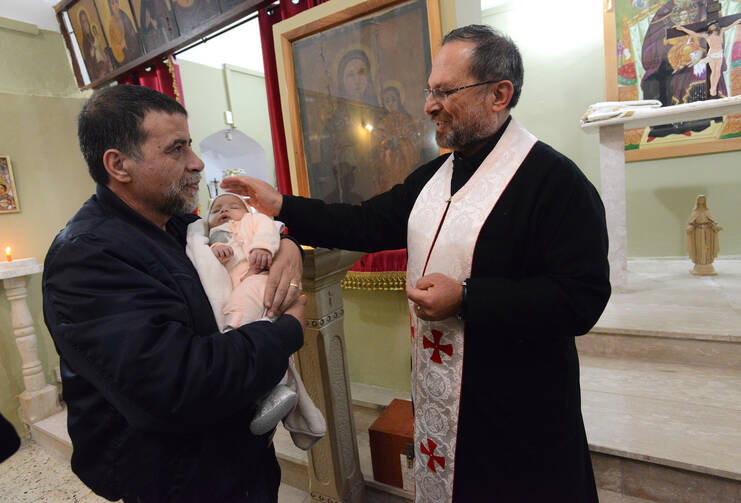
226 207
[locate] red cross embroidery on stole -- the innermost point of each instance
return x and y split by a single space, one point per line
445 348
431 453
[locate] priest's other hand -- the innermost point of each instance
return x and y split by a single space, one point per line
284 278
436 297
262 195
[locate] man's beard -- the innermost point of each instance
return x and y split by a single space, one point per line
177 200
462 134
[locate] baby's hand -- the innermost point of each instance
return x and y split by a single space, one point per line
223 252
260 259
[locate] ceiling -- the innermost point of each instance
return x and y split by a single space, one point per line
38 12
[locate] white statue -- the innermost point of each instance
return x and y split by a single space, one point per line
702 239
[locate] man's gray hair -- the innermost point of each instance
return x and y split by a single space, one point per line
495 57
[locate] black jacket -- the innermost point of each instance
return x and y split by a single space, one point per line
539 278
158 401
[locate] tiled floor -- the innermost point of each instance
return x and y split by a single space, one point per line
32 475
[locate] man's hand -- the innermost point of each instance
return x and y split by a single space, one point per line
262 195
436 297
284 279
297 310
222 252
260 259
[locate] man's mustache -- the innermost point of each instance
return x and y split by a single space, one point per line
189 180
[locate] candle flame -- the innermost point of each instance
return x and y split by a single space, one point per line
7 254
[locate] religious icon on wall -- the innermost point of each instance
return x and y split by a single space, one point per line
190 14
89 33
118 24
361 103
156 21
8 195
678 51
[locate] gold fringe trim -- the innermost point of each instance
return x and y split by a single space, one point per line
382 280
175 91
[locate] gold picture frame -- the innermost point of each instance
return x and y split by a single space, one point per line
313 48
638 30
8 194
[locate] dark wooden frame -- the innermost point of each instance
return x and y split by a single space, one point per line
213 25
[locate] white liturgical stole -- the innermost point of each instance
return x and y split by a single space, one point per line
441 237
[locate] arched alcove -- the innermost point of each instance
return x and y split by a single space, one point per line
231 152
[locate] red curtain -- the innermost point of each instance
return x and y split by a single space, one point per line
161 75
267 17
391 260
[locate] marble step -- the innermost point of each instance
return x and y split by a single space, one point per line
663 432
51 434
668 315
711 350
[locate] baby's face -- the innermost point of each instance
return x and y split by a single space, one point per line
224 209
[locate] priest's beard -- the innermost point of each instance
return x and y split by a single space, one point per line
179 199
466 130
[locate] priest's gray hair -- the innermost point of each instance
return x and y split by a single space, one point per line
496 57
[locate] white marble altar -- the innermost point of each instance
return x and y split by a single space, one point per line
612 166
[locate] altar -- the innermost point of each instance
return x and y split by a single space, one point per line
612 166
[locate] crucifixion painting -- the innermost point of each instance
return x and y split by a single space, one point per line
679 51
711 31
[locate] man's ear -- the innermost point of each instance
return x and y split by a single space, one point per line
115 162
502 92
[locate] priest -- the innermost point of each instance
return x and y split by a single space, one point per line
507 264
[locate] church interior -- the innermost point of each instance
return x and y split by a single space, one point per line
660 372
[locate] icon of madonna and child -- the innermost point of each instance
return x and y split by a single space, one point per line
368 141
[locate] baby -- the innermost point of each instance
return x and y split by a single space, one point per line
245 243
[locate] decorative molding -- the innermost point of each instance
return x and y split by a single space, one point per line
324 320
15 25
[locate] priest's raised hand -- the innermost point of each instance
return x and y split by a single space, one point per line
262 195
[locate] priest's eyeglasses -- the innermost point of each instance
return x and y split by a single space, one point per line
441 94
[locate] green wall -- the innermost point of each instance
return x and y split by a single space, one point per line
563 52
377 336
39 101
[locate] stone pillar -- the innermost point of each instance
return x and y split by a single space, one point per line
334 466
39 400
612 164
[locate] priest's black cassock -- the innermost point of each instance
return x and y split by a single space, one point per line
539 278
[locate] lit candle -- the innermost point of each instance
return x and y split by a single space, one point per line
8 258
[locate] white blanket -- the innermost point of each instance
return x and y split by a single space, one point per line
306 422
614 109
